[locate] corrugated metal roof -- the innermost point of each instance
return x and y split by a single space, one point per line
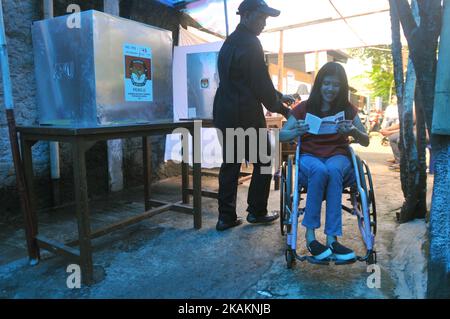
176 3
308 25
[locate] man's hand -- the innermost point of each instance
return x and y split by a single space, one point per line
287 99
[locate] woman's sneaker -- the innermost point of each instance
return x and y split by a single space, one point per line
341 252
319 251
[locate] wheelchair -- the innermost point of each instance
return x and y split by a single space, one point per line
361 196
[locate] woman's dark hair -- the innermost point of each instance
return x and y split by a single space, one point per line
341 103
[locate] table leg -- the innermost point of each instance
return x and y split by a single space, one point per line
185 169
147 161
31 222
197 181
82 211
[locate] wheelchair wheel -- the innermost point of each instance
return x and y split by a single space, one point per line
362 177
282 200
286 196
371 198
290 258
372 258
367 185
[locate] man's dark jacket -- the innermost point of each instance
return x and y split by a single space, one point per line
244 84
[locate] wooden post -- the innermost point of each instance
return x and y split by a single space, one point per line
281 64
226 17
82 211
147 161
114 147
185 168
24 175
316 63
48 9
55 171
30 228
197 174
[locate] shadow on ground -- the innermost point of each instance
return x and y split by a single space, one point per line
165 257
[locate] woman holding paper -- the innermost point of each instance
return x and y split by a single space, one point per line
324 122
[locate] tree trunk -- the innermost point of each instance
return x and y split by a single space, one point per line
409 165
421 208
422 42
409 156
397 58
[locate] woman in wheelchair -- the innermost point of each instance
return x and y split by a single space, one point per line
325 165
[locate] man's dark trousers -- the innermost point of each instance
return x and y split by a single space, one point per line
258 193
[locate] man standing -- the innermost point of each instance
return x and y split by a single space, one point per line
244 84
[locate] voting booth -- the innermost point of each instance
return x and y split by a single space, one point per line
195 81
105 70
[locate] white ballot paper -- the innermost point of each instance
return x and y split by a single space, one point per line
326 125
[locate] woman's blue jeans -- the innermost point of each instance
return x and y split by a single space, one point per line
325 178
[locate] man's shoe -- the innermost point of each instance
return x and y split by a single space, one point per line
221 225
265 219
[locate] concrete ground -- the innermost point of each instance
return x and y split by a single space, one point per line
165 257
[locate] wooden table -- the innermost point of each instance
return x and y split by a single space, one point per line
81 140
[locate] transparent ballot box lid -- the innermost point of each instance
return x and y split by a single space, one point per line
97 69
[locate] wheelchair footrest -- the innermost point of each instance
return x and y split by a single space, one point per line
312 260
345 262
327 261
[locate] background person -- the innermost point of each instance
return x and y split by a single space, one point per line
392 132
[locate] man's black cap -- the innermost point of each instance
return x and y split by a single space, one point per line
257 5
